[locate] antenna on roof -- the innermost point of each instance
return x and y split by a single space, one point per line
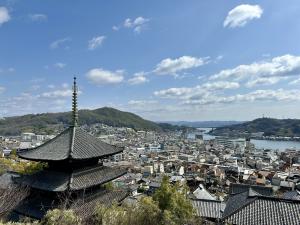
74 104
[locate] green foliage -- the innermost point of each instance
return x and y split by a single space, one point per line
14 152
16 223
48 122
58 217
173 201
168 207
21 166
146 212
109 186
270 126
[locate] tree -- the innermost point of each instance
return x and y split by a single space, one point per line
173 202
145 213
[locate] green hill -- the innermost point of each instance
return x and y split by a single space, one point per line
269 126
48 122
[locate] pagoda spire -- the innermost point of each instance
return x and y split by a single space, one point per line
74 104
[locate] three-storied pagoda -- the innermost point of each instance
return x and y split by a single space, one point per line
74 175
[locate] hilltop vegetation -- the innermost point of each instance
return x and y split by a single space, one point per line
269 126
168 206
48 122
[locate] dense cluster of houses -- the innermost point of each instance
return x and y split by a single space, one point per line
230 181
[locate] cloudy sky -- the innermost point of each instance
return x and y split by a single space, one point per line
164 60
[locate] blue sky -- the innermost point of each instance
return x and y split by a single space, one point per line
164 60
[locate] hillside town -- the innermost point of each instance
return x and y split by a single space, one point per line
226 176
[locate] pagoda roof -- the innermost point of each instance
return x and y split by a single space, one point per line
72 143
36 206
57 181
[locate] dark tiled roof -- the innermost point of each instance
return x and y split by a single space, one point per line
56 181
73 143
237 201
36 206
239 188
293 195
94 176
46 180
212 209
267 211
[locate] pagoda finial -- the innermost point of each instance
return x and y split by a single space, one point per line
74 104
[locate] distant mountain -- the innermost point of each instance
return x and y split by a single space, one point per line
204 124
48 122
269 127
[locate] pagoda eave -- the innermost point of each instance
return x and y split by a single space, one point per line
56 181
72 143
37 206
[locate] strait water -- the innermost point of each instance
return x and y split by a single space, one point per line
262 144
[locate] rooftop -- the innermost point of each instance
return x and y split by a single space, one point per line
57 181
73 143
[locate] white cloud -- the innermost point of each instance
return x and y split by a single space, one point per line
51 86
100 76
138 78
263 81
60 65
59 43
141 102
38 17
116 28
176 92
242 14
57 93
137 24
11 69
2 89
257 95
194 92
65 85
286 65
63 92
173 66
8 70
95 42
4 15
219 57
35 103
37 80
35 87
220 85
296 81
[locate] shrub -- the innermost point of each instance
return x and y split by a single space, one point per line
16 223
21 166
58 217
145 213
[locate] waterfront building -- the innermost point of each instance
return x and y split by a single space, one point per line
74 175
27 136
239 143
